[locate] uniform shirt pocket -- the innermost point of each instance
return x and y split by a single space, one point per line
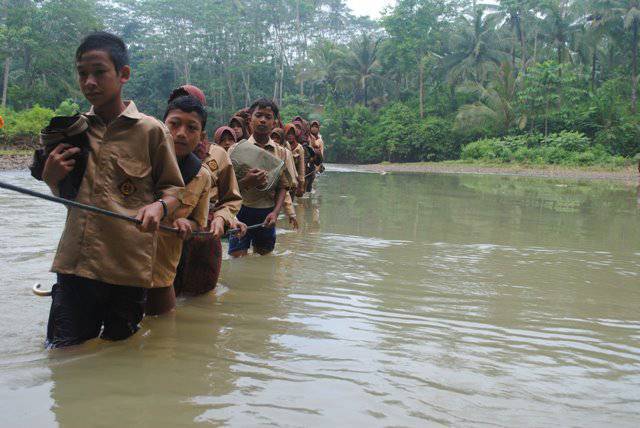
133 184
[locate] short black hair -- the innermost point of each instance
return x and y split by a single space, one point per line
188 104
110 43
265 103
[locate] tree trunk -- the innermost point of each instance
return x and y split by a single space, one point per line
523 47
5 81
247 94
421 68
546 118
364 87
281 76
514 69
634 77
594 60
232 97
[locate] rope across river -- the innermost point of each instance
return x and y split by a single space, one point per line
74 204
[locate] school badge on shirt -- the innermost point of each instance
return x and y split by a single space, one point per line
213 165
127 188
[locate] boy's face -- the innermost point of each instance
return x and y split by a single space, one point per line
99 81
186 130
276 138
262 121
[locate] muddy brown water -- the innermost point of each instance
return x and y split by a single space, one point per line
405 300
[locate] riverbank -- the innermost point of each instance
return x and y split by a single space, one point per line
15 159
627 174
21 159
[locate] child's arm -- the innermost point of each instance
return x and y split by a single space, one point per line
58 165
197 219
271 219
283 188
229 197
168 183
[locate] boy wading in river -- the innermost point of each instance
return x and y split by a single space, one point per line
103 264
185 117
260 207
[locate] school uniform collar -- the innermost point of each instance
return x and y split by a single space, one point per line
130 112
270 146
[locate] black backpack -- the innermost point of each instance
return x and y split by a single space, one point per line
70 130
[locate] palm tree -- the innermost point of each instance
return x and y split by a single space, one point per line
597 23
325 59
630 10
560 26
495 102
476 50
360 63
514 13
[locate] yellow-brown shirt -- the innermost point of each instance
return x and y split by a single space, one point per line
131 163
224 196
291 168
298 160
254 198
195 206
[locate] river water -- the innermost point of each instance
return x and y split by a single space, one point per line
405 300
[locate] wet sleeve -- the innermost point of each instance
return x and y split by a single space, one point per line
292 173
283 181
201 211
166 175
229 198
301 169
289 211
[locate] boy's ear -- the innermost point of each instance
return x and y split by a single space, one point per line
125 74
203 136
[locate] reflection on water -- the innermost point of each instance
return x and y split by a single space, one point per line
406 300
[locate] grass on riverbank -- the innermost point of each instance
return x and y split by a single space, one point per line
16 152
511 166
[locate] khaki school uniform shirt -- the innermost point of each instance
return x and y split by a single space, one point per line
131 164
291 168
224 196
195 206
298 160
318 144
254 198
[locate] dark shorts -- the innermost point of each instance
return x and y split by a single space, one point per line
262 237
81 308
309 181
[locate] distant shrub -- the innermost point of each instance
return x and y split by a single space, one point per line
622 139
564 148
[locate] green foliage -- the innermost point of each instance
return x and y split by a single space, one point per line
24 126
565 148
431 80
435 141
67 108
622 139
295 105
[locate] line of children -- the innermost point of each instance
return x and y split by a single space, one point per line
109 274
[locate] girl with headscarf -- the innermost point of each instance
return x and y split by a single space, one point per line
239 125
291 136
317 143
277 135
225 137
